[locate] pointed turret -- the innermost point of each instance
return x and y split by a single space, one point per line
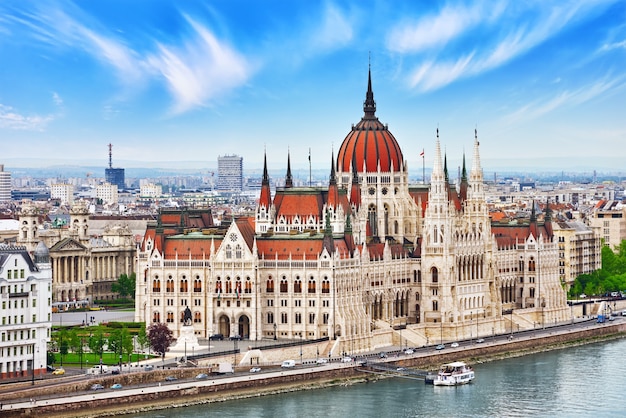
437 178
328 241
288 178
369 106
476 187
266 194
463 186
333 192
548 220
533 222
355 191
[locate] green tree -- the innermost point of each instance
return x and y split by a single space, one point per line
96 343
120 341
142 337
125 285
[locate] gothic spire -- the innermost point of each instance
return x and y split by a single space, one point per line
266 178
369 106
288 177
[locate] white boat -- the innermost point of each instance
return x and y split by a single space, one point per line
453 374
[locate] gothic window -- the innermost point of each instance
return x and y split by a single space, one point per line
184 285
169 285
325 318
197 317
156 317
386 226
248 285
283 285
238 251
170 317
197 285
312 285
297 285
229 285
371 219
229 251
435 235
269 288
311 318
283 318
298 318
531 264
156 286
270 318
435 274
218 286
325 285
435 305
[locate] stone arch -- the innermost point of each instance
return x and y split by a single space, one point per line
224 325
243 326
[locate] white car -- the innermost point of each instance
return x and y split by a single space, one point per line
454 345
321 361
409 351
346 360
255 370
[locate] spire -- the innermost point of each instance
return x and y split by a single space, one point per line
328 241
333 177
355 190
476 168
464 171
266 194
445 168
464 184
369 106
288 178
333 192
266 177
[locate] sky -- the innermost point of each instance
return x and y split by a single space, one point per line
178 83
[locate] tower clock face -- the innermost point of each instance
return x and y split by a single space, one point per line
233 237
371 191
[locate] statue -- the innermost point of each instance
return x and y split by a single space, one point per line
187 317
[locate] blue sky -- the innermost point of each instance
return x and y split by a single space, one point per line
177 83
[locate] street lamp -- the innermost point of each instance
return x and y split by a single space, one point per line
274 331
300 347
33 381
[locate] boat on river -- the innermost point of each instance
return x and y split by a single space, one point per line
454 374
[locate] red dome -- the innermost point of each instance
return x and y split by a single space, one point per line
369 143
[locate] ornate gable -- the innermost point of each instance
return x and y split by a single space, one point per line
68 244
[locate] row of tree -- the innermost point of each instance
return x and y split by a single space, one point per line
610 278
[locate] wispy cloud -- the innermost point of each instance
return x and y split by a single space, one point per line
57 99
614 45
510 30
335 30
563 98
437 30
200 70
11 119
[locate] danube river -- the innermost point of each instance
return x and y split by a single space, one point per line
575 382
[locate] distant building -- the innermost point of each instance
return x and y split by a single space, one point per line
115 176
580 250
610 217
25 292
5 185
108 193
150 190
63 192
230 173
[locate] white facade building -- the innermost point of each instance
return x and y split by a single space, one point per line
5 185
63 192
25 298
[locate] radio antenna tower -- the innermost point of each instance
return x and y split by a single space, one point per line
110 155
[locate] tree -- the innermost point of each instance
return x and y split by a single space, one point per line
160 337
125 285
142 337
96 343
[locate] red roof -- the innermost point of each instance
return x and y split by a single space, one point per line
296 248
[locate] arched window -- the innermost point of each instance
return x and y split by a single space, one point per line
229 285
269 288
238 251
312 285
270 318
170 317
371 219
197 285
184 285
156 317
435 305
169 285
197 317
156 285
229 251
325 285
218 286
435 274
248 285
283 285
297 285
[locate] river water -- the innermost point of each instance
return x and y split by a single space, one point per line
575 382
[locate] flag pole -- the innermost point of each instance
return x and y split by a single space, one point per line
423 168
309 167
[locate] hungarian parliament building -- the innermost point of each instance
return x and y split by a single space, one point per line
368 261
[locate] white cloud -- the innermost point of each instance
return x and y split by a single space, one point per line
520 28
614 45
57 99
544 106
335 31
10 119
200 70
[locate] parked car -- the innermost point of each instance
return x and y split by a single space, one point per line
454 345
324 361
59 371
346 360
235 337
115 370
116 386
149 368
50 368
202 376
216 337
171 378
480 340
255 370
440 347
409 351
96 386
583 296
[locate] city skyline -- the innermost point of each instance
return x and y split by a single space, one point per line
183 83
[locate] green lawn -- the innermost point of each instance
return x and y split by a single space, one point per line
91 359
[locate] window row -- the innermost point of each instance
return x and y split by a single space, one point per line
297 285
